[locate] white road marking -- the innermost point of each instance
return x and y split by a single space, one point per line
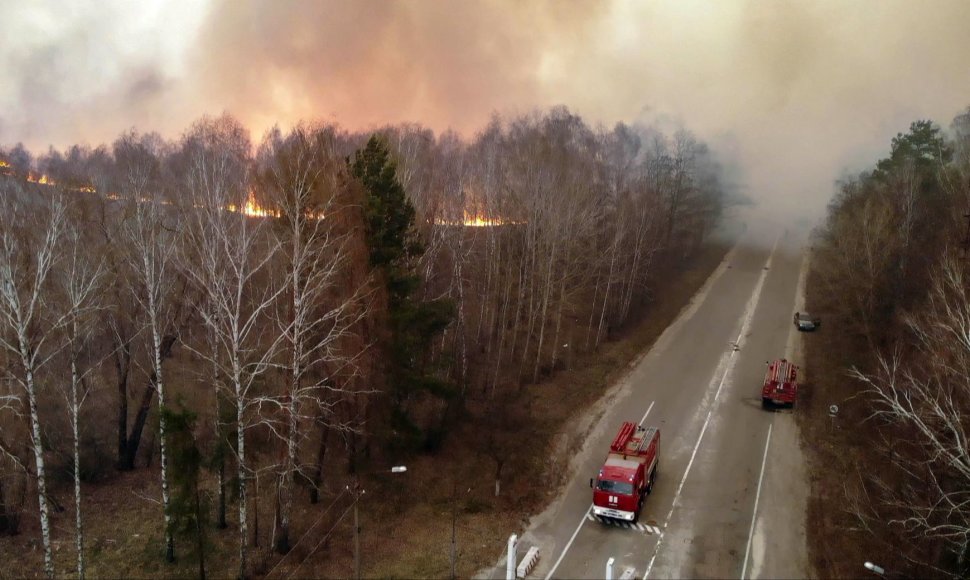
590 517
647 413
748 316
757 496
569 543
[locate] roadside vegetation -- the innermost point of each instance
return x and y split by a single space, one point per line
205 342
890 275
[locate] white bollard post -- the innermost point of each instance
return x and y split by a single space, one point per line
510 561
609 569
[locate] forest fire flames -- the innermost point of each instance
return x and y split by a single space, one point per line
43 179
39 178
253 209
475 220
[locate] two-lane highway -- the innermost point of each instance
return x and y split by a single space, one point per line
700 384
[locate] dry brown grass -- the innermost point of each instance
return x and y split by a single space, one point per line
405 519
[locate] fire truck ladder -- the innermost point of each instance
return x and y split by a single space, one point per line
627 433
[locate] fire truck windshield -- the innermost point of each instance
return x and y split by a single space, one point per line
617 487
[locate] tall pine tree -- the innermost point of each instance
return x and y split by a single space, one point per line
394 248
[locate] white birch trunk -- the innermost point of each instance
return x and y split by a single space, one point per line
531 312
286 495
160 385
37 444
562 300
542 315
22 298
606 296
75 412
241 455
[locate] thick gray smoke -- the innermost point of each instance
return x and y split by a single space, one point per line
795 92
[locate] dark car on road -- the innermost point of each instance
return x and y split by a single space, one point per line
807 322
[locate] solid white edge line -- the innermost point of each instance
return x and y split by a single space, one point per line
757 496
647 413
568 544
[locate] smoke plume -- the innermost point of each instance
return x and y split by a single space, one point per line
796 93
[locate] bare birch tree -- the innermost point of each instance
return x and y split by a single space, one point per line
228 256
30 237
151 253
928 395
80 282
306 182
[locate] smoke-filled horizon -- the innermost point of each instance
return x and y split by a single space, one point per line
796 94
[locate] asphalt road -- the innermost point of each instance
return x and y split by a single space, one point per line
731 491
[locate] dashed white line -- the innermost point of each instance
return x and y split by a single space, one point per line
757 497
748 316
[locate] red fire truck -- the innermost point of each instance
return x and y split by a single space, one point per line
628 474
781 387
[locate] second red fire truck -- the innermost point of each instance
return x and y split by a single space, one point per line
781 384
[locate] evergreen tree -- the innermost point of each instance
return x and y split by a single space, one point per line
394 247
924 146
187 509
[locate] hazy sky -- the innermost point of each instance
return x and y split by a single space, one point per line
796 92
